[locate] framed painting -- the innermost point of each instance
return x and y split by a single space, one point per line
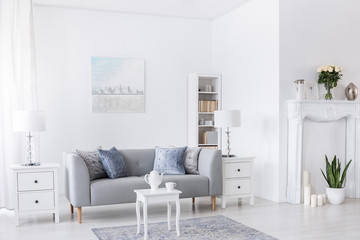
118 84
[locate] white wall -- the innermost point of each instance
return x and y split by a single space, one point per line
65 41
242 45
246 52
315 33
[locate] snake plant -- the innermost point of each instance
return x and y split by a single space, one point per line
333 173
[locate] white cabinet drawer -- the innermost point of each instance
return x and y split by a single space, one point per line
235 170
35 181
237 186
36 201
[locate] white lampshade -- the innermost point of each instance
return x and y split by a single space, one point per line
227 118
29 121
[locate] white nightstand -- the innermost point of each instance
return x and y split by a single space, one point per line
36 190
237 179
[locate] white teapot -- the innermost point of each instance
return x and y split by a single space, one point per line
154 180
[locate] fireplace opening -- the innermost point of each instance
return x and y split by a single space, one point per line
320 138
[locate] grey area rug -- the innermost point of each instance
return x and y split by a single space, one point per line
217 227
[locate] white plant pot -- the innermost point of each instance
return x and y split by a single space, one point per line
335 195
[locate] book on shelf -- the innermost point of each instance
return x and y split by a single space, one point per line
208 105
210 147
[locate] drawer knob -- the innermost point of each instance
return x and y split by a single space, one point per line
36 201
239 170
36 181
239 187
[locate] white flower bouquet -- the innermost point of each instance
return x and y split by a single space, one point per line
329 76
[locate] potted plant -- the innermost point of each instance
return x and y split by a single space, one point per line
329 76
335 192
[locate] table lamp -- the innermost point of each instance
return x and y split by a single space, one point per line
227 119
29 121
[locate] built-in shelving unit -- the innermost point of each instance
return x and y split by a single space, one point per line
204 97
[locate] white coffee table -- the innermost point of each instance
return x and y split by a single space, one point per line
161 195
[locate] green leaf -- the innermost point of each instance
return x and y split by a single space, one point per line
326 161
332 181
338 172
337 177
333 164
325 177
332 172
344 174
330 175
328 167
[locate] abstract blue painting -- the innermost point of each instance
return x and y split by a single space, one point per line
118 84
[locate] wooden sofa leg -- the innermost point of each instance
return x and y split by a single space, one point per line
213 198
71 208
79 214
193 200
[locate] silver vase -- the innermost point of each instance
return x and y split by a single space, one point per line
351 92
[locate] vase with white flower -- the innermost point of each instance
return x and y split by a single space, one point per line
329 76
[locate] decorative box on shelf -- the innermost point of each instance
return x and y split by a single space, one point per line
36 190
237 178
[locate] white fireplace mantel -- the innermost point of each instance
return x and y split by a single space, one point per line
322 111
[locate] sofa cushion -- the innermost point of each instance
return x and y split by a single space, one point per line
121 190
191 160
170 160
191 185
93 163
138 161
113 191
113 163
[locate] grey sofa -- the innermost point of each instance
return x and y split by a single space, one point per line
81 192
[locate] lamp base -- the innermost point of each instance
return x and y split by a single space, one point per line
229 156
31 164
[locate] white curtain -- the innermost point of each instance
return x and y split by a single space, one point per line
17 85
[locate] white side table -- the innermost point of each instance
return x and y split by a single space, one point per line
36 190
237 179
147 196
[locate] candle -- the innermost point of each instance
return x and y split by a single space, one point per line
306 178
313 200
319 200
307 195
324 198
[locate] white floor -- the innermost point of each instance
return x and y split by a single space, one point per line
283 221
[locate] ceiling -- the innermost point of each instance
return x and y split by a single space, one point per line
200 9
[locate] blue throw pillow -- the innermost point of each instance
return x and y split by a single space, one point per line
170 161
113 163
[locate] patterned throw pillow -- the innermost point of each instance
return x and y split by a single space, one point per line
170 161
93 163
113 163
191 160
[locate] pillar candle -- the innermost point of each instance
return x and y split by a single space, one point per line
306 178
324 198
319 200
307 195
313 200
